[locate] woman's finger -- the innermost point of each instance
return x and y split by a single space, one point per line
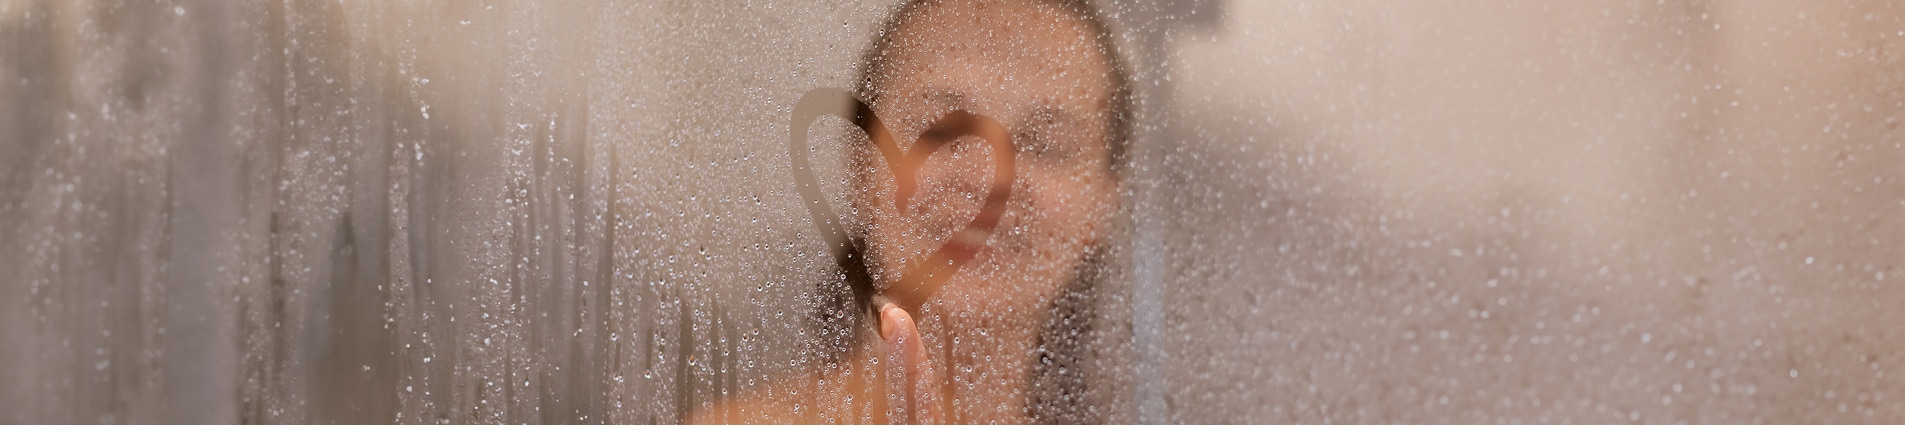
905 350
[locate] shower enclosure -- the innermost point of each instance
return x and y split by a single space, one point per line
585 212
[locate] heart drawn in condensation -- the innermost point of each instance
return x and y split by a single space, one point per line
924 278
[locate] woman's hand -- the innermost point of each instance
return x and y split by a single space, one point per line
906 356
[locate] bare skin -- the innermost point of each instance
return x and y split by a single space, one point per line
963 356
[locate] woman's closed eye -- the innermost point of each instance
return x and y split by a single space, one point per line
1047 137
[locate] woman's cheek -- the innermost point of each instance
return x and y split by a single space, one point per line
1056 218
1069 206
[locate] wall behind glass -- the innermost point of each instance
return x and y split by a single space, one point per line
1536 212
410 212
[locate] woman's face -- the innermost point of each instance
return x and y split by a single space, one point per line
1040 73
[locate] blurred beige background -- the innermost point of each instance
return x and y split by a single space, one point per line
1539 212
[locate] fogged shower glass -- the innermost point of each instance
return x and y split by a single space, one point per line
1106 211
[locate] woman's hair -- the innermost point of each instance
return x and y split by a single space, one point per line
1058 393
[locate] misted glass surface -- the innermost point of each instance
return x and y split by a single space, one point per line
952 211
